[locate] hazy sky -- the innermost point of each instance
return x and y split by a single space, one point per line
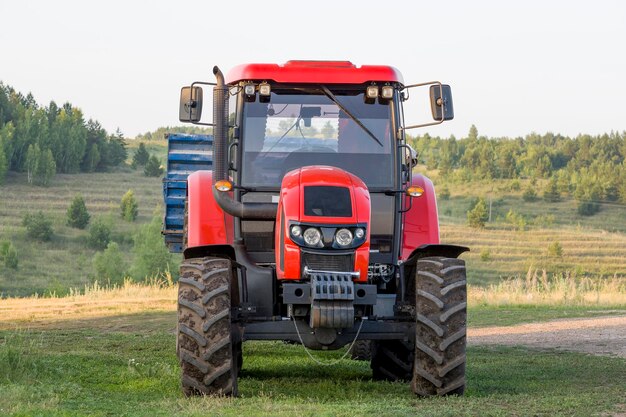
514 67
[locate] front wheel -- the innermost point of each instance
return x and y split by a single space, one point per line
208 355
440 331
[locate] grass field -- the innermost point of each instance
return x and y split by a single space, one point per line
66 261
591 246
112 352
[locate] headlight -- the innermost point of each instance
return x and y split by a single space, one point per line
296 230
312 236
343 237
359 233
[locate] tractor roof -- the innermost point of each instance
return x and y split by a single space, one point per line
314 72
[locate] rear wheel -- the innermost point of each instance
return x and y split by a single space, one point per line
206 352
441 301
392 360
361 350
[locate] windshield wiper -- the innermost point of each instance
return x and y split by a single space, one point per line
331 96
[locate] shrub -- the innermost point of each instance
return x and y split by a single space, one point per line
516 219
141 156
110 265
551 194
153 167
587 208
529 194
478 215
129 207
485 255
8 254
99 234
38 226
515 185
77 214
444 194
555 249
151 255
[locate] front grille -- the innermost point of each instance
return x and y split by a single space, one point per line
340 263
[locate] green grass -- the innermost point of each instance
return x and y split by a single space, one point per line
592 246
89 371
66 261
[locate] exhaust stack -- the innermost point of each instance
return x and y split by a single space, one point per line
246 211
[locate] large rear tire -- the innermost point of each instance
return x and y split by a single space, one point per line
361 350
440 332
206 352
392 360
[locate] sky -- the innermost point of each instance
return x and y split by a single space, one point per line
514 67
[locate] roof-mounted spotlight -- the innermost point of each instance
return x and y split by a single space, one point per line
264 92
371 93
386 92
249 91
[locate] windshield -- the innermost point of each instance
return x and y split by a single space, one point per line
299 128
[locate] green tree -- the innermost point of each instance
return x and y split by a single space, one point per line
40 165
110 265
152 257
141 156
129 207
551 194
99 234
478 215
153 167
529 194
77 214
38 226
45 169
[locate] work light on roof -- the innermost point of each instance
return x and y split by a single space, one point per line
371 92
249 89
386 92
264 89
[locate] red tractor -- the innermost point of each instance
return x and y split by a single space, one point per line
301 220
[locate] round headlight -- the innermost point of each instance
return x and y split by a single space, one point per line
312 236
296 230
359 233
343 237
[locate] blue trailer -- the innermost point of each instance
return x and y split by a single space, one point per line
186 153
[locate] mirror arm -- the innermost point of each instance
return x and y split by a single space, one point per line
192 99
438 122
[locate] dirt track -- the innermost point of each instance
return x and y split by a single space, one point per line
598 336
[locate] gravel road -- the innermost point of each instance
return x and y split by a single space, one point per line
598 336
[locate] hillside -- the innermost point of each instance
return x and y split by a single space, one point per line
66 261
592 246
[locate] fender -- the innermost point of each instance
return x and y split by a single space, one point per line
207 224
421 222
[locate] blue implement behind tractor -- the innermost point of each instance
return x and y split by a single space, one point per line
186 153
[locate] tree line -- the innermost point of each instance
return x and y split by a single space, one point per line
45 140
586 167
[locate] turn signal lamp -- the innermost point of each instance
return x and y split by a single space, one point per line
415 191
223 185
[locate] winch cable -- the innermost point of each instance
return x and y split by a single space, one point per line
326 363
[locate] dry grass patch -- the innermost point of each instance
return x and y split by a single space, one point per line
93 302
561 289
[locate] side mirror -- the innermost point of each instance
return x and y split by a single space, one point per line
441 102
190 109
411 155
